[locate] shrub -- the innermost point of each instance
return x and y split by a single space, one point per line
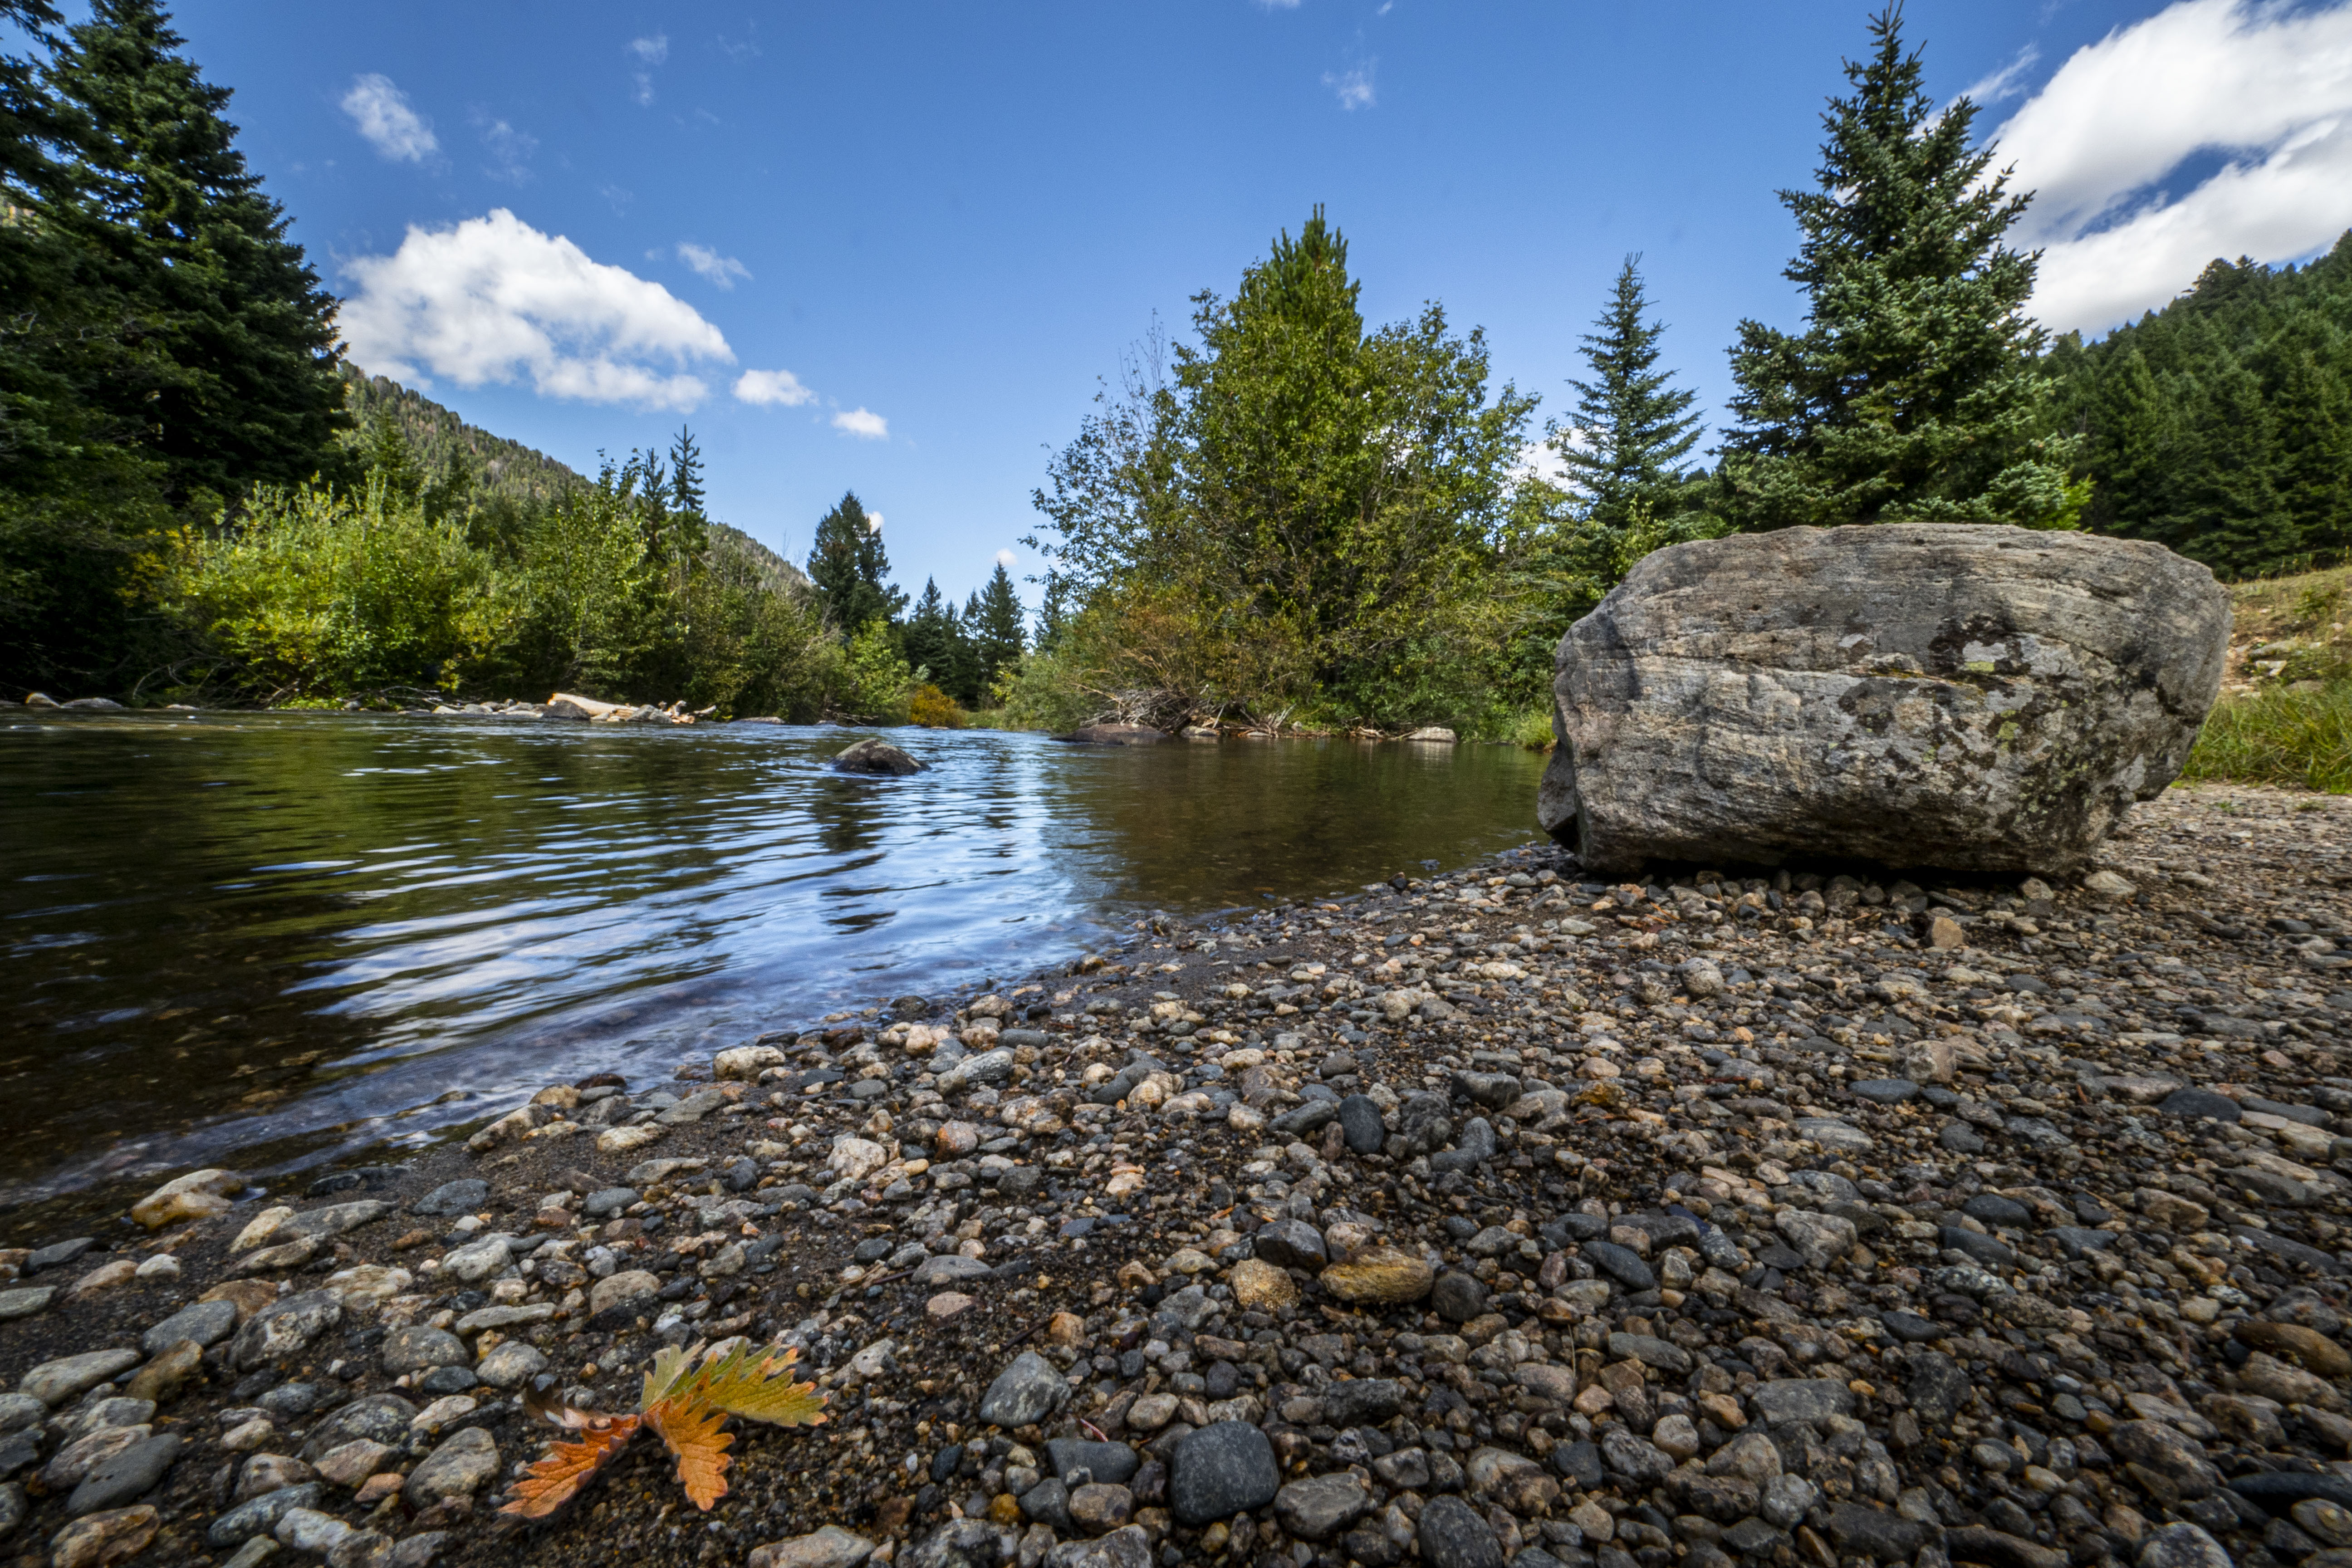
934 709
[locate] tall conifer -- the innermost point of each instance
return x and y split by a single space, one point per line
1631 429
1913 392
851 570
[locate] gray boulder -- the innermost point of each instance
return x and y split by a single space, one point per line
1962 696
875 757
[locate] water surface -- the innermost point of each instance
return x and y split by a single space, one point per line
257 938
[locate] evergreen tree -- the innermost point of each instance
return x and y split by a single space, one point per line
1631 430
1913 392
995 624
231 320
686 474
851 570
928 638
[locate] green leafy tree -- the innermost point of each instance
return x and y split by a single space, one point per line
1631 429
851 570
1914 392
1299 511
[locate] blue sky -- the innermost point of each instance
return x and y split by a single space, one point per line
889 248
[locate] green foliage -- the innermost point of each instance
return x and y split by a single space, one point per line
993 619
851 570
1293 515
316 594
1625 442
875 684
2221 425
2301 737
1914 393
937 644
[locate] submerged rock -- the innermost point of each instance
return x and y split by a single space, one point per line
875 757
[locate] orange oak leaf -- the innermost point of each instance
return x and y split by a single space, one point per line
691 1430
558 1477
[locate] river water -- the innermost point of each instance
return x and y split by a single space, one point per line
257 939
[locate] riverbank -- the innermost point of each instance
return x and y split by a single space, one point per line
1732 1226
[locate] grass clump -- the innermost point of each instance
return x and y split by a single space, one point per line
2297 736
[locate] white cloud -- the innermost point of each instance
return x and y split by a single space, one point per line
642 89
721 269
381 111
2268 88
2005 83
653 51
863 424
1005 558
771 387
873 522
1354 85
511 150
494 299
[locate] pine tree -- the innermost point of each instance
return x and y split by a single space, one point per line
686 474
851 570
995 623
1913 393
930 636
245 387
1630 431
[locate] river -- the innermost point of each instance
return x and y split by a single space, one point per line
260 939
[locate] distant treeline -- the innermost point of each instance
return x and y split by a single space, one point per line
2222 425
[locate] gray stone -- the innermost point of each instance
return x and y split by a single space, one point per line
1360 1126
2181 1546
1801 1399
1127 1548
609 1200
1113 1462
2200 1102
1475 1148
965 1543
1980 1248
1637 1459
1290 1244
308 1530
378 1417
284 1327
1876 1532
1974 697
830 1547
1362 1401
420 1550
1457 1298
25 1300
126 1477
511 1364
417 1348
207 1323
1319 1509
1650 1351
57 1255
1219 1470
55 1382
2167 1452
18 1411
949 1269
1621 1264
875 757
1885 1090
1452 1535
465 1458
335 1219
260 1516
1024 1393
1048 1503
462 1196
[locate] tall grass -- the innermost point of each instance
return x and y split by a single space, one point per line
1531 727
2302 739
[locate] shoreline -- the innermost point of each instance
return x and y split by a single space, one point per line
948 1225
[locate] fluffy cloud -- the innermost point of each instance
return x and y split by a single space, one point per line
494 299
2266 88
721 269
864 423
772 387
381 111
1354 85
1005 558
653 51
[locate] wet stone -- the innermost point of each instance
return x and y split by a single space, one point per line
1219 1470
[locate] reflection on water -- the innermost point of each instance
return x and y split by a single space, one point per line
245 937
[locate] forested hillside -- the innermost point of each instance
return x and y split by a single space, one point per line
444 445
2221 425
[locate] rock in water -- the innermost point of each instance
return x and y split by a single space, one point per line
875 757
1965 696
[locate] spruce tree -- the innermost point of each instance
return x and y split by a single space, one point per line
1630 431
686 474
239 335
1914 392
851 570
995 624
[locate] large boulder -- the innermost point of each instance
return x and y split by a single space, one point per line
1957 696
